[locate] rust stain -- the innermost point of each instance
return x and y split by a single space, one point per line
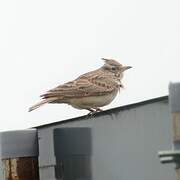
20 169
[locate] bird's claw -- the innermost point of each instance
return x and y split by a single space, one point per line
92 111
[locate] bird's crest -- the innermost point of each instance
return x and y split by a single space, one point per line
111 62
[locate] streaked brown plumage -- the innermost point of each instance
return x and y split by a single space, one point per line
89 91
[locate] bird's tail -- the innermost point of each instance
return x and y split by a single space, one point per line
48 100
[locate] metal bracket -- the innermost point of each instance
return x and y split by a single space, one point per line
171 156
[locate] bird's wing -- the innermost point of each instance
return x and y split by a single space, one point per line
90 84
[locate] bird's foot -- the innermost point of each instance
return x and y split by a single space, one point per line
98 110
91 113
94 111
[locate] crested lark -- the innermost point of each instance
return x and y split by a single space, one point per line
89 91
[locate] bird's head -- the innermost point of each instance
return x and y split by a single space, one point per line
114 67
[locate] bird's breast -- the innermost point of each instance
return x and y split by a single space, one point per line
93 101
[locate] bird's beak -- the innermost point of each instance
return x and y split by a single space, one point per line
126 67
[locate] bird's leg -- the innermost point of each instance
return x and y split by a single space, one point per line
92 111
98 109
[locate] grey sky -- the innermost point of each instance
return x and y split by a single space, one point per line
46 43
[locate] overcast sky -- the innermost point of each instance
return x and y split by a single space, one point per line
46 43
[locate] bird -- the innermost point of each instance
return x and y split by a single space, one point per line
89 91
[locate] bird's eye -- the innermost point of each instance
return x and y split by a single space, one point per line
113 68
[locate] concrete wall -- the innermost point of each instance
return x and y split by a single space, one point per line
125 142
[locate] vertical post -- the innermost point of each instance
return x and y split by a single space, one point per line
174 99
19 155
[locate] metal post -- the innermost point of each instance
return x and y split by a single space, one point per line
173 156
174 97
